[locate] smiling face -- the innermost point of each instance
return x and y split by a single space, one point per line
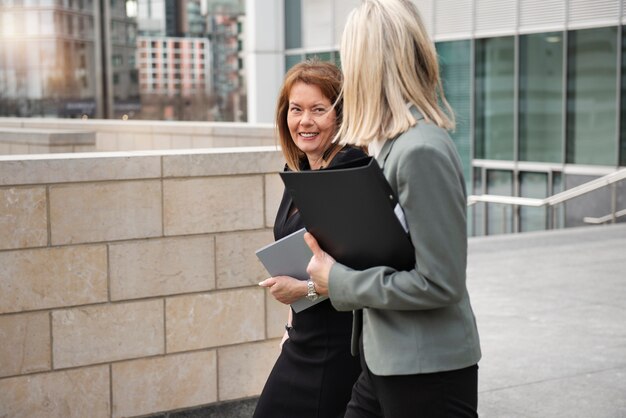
312 121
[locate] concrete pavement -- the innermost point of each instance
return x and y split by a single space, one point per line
551 312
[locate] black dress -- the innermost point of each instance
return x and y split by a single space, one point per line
314 374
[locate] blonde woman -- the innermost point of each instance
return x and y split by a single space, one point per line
415 329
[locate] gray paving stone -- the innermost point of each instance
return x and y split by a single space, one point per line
551 312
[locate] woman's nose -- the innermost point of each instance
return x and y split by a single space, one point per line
306 118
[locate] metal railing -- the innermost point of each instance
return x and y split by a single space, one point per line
609 180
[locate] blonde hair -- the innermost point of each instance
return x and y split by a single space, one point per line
389 62
324 75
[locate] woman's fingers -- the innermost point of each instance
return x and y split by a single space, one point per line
269 282
313 245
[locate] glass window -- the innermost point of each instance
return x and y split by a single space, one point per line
8 28
477 211
591 100
455 60
117 60
293 24
623 103
291 60
494 98
32 22
48 54
534 185
322 56
557 212
47 22
541 97
499 216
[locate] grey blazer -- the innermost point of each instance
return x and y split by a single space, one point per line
417 321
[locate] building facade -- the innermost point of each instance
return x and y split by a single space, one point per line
80 58
201 78
66 58
173 68
536 86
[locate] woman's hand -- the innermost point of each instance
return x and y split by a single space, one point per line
285 289
319 266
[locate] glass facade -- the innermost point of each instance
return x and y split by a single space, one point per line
622 153
533 185
291 60
541 97
455 61
499 216
591 96
293 24
322 56
566 84
494 98
49 64
476 216
80 58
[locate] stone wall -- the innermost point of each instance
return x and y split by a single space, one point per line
128 281
132 135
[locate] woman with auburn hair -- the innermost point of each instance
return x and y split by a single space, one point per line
415 329
315 371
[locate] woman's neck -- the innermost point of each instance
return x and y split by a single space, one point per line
317 162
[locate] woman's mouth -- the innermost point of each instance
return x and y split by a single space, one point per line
308 135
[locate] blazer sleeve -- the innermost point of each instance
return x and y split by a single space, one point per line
431 191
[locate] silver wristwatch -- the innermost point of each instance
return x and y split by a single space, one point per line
312 294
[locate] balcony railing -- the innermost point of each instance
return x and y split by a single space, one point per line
609 180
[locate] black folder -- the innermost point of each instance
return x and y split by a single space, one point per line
349 209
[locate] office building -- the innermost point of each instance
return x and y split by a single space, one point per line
536 86
190 63
67 58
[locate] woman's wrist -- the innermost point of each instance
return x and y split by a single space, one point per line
304 289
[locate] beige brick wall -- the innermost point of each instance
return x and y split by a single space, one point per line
128 281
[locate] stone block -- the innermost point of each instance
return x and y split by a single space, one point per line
224 161
161 267
96 212
214 319
277 316
164 383
135 142
274 188
202 142
52 277
106 141
237 264
161 141
25 346
214 204
23 218
46 169
104 333
76 393
243 369
181 141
